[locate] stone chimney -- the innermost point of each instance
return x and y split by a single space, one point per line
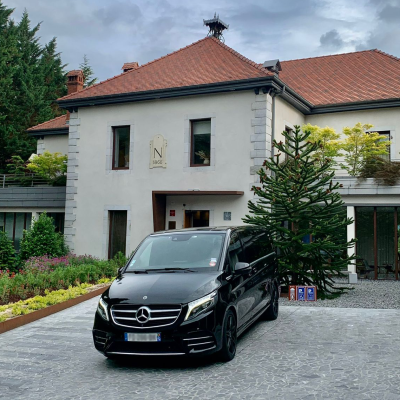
75 81
130 65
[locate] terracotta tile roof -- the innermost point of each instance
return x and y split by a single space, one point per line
343 78
56 123
205 61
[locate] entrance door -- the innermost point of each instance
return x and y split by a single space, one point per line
117 238
196 219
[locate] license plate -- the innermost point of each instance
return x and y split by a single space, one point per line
142 337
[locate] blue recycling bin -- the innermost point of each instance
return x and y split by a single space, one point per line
301 293
311 293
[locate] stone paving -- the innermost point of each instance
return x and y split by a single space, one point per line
308 353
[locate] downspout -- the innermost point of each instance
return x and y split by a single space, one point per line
274 93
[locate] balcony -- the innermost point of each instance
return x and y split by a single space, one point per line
368 187
29 190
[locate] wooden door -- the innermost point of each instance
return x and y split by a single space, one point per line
117 234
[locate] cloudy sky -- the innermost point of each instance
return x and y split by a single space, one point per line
111 32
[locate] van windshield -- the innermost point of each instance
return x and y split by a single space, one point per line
178 251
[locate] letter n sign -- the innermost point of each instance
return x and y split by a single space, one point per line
158 152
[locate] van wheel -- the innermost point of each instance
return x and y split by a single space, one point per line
272 312
229 337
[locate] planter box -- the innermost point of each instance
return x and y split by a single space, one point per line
21 320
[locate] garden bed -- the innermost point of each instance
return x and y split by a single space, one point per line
23 312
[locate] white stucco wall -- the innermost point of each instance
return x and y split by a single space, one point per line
53 144
99 188
286 116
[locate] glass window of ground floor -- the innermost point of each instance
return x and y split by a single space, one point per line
377 247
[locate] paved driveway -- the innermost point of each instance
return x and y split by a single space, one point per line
308 353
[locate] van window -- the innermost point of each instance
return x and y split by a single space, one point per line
256 243
235 252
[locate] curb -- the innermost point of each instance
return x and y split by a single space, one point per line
44 312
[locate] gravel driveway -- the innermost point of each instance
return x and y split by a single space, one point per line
364 294
308 353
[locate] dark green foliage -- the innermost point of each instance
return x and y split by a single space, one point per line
7 252
298 199
42 240
383 171
30 283
31 79
88 73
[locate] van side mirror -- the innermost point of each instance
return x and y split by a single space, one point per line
242 268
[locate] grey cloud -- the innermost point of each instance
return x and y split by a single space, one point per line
390 13
331 39
118 11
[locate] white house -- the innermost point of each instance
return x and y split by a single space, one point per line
177 142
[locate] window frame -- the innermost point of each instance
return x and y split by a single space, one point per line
114 128
191 163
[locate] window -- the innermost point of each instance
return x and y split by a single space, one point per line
121 139
235 252
386 138
14 224
290 132
200 143
257 244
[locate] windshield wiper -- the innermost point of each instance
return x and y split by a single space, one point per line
171 269
138 271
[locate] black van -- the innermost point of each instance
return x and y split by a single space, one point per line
189 292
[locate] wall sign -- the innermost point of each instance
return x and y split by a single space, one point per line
227 215
172 213
158 152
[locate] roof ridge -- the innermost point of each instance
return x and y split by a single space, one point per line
331 55
386 54
46 122
136 69
240 56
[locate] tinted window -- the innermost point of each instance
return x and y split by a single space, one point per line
235 252
189 250
256 243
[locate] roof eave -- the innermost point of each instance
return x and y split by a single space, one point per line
356 106
48 132
219 87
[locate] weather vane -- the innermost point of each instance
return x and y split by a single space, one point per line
216 27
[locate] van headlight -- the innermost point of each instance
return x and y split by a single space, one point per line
102 309
198 306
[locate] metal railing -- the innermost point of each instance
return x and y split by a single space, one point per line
25 180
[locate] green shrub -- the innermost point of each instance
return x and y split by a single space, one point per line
42 240
50 166
7 252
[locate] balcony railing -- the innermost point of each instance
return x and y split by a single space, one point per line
25 180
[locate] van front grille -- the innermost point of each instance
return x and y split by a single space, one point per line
142 317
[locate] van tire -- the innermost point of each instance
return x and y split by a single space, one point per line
229 337
272 312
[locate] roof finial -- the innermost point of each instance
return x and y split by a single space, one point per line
216 27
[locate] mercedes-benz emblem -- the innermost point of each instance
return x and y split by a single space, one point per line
144 297
143 315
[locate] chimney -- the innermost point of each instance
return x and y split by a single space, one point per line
130 65
75 81
74 84
273 66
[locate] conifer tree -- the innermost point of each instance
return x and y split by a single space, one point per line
88 73
299 204
31 79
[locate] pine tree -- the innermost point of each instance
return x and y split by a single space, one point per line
88 73
297 199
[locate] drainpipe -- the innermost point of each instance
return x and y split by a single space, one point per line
274 93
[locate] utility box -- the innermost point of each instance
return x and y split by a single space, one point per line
352 277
